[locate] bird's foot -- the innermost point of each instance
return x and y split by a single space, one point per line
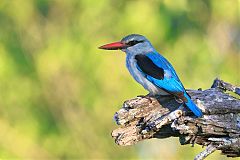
178 100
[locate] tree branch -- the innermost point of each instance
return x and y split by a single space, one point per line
162 117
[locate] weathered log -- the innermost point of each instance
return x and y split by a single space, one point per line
162 117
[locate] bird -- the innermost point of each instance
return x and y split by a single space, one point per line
152 70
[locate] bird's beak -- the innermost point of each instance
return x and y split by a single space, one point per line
114 46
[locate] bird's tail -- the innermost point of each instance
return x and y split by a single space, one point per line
192 106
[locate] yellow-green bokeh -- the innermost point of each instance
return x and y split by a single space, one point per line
58 92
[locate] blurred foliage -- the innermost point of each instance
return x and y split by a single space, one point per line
58 92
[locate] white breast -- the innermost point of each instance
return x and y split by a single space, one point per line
140 77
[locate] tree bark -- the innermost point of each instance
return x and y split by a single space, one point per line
147 117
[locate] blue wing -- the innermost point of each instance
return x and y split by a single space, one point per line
169 81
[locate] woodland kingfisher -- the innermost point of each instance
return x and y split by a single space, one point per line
152 70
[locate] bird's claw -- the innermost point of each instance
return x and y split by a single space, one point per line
178 100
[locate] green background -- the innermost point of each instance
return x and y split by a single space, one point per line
59 92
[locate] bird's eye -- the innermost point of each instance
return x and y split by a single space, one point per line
132 43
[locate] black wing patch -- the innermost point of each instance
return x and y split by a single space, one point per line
148 67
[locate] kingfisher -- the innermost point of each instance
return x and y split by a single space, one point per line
152 70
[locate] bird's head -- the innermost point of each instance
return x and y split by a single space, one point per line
131 44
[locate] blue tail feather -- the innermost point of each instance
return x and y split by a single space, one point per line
192 106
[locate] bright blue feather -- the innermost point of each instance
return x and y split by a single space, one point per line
171 82
192 106
160 61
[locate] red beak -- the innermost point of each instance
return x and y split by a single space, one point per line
114 46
